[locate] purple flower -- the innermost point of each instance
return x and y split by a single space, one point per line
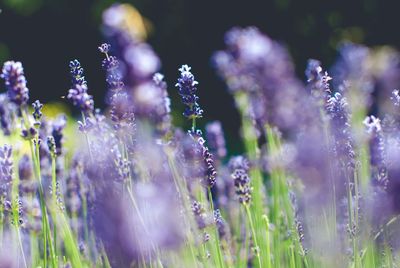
80 98
200 215
215 139
37 111
130 233
318 81
104 48
25 168
138 61
254 64
78 93
6 114
187 90
337 109
377 150
58 126
6 170
163 123
15 81
221 224
121 111
239 171
395 97
76 72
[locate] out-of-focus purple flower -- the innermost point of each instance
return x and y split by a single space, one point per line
221 224
187 90
121 111
367 71
15 81
6 170
200 215
151 102
164 123
318 81
138 61
215 139
377 150
6 114
27 184
143 59
25 168
80 98
395 97
130 233
337 109
58 126
239 169
113 73
256 65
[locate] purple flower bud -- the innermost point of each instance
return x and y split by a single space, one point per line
76 72
51 144
37 111
15 81
104 48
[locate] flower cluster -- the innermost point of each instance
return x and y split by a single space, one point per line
132 189
15 81
239 167
78 93
187 90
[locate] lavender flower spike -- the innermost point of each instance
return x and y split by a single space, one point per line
239 167
377 150
6 169
78 93
76 71
187 90
37 112
80 98
215 138
15 81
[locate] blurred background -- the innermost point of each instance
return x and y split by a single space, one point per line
46 34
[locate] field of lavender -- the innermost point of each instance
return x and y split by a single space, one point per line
318 184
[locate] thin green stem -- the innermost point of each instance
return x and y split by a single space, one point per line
254 234
218 244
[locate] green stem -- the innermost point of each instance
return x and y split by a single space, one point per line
218 244
254 234
268 248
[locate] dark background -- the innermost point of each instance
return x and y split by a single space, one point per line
46 34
